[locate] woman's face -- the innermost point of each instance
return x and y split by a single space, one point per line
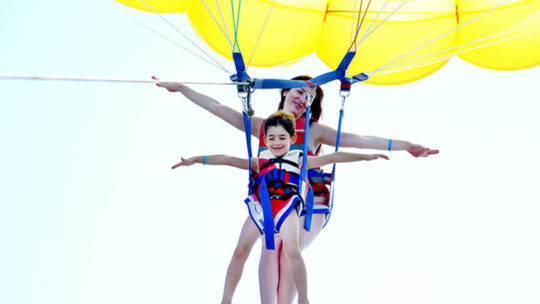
295 101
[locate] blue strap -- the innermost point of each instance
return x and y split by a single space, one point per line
303 174
247 132
266 205
346 61
338 139
276 177
270 83
359 77
241 73
338 74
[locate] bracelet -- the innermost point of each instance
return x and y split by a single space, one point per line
204 160
389 145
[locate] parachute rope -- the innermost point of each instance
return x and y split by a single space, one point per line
236 22
352 20
360 26
373 22
224 23
178 44
441 36
358 23
400 64
261 33
217 23
448 56
125 80
367 34
183 35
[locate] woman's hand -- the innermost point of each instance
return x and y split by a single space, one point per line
170 86
421 151
185 162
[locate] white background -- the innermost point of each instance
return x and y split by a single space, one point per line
91 213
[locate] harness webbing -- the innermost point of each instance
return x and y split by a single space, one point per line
304 184
247 128
266 205
244 91
344 93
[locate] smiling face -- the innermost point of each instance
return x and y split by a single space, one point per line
295 101
278 140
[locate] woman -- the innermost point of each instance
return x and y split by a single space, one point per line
274 275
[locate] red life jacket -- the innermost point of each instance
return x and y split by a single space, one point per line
318 179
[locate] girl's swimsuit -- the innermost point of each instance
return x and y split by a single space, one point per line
278 178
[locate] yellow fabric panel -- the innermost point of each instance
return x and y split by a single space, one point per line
291 32
517 48
161 6
416 23
297 28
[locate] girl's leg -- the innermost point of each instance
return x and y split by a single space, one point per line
248 236
286 288
269 272
291 250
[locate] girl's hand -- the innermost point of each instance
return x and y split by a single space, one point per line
376 156
170 86
185 162
420 151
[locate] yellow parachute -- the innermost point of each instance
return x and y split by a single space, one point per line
399 41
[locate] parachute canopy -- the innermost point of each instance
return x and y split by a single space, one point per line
398 41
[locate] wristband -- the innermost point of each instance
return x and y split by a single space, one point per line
389 145
204 160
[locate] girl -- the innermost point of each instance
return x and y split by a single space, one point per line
273 271
282 192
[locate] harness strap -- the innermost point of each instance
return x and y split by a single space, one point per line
247 129
266 205
284 177
304 184
344 93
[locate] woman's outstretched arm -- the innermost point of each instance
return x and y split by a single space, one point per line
340 157
218 159
326 135
234 118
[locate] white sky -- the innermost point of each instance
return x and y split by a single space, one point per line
91 213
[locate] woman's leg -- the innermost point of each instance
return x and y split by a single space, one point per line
248 236
286 287
291 249
269 272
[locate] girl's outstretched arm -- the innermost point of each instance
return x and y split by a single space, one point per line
225 160
234 118
340 157
326 135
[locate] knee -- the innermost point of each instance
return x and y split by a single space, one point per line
292 252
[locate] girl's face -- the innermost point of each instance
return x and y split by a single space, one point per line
278 140
295 101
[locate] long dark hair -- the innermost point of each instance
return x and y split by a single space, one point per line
316 105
